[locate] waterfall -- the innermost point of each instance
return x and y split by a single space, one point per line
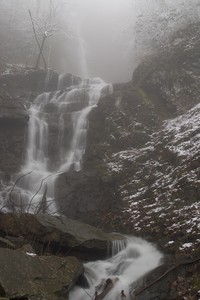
65 111
117 246
124 268
80 44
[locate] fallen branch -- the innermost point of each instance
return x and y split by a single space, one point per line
106 289
42 206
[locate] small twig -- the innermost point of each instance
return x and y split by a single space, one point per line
18 179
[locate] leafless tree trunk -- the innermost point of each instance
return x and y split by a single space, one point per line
41 54
38 43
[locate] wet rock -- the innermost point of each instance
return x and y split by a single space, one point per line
46 277
56 234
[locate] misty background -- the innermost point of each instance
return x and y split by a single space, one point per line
88 38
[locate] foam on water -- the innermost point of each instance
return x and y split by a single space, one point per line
127 266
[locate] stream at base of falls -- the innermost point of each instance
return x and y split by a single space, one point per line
136 258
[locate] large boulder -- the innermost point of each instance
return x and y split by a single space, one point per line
26 276
56 234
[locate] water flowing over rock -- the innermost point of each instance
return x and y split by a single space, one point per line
56 142
125 267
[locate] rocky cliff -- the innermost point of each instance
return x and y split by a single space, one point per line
141 167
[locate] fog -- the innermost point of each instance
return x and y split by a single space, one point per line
104 38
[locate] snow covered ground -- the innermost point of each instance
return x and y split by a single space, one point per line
161 194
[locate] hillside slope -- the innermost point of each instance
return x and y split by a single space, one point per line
141 169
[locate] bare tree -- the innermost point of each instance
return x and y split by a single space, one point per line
44 26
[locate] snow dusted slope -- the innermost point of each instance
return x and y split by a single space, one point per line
161 196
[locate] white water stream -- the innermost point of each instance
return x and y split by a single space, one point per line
34 193
128 265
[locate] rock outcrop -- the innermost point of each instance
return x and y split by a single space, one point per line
56 234
20 81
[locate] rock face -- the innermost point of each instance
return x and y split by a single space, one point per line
25 276
83 199
20 81
13 122
172 77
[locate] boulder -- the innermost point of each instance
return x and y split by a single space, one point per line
47 277
56 234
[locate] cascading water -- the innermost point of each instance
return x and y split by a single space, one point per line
34 192
124 268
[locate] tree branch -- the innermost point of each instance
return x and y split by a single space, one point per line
18 179
37 41
53 174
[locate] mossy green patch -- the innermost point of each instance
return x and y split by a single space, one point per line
196 282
